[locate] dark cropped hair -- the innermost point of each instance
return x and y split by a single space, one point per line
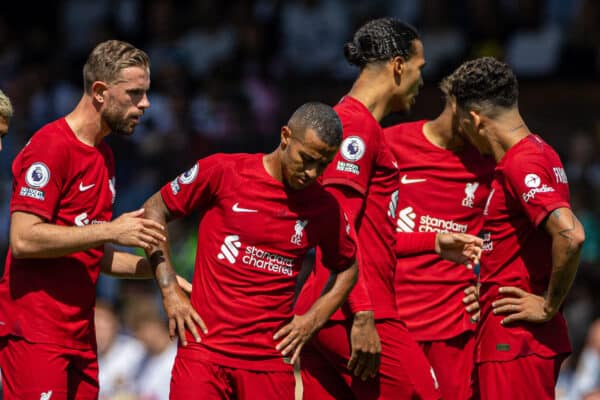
483 83
381 39
319 117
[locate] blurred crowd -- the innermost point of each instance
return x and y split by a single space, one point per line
226 74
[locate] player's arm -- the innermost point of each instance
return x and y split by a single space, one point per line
567 239
120 264
294 335
32 237
177 306
461 248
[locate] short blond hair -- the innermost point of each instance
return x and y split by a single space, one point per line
107 60
6 108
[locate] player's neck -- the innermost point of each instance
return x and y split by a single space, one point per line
372 93
272 164
440 133
506 131
86 123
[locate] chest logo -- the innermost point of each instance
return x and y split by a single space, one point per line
298 231
83 188
470 189
407 181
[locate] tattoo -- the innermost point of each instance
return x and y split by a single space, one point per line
164 276
566 233
516 128
556 213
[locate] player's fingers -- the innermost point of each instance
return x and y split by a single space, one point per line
506 300
147 240
286 341
156 234
352 361
470 290
363 359
472 307
200 322
283 331
172 325
134 214
189 322
507 309
151 224
475 316
377 360
291 346
469 299
514 291
514 317
181 330
370 367
297 352
184 284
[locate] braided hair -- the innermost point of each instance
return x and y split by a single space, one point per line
381 39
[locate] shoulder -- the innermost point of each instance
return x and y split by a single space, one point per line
404 133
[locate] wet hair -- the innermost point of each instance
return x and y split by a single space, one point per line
381 39
6 108
484 83
319 117
107 60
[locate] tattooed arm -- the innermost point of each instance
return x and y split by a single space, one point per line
567 238
180 312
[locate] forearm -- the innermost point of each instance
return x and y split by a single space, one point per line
330 301
120 264
44 240
567 240
159 255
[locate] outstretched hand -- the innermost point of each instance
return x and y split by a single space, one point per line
460 248
294 336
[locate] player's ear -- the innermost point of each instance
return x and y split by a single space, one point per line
397 65
286 136
476 120
98 89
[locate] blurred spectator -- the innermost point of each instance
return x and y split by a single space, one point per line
153 374
119 354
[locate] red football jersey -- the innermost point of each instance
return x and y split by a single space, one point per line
440 191
529 183
252 238
68 183
366 164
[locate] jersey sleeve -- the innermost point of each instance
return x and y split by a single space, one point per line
534 183
38 178
337 244
353 163
195 188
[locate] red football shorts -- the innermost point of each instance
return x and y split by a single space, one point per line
46 371
524 378
453 361
405 373
194 379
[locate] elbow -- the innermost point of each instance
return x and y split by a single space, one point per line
19 248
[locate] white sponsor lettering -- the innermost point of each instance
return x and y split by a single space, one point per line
560 175
82 220
406 220
432 224
487 203
175 188
393 206
348 167
46 395
488 245
34 194
531 194
255 257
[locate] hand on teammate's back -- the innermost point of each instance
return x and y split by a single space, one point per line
520 305
461 248
132 229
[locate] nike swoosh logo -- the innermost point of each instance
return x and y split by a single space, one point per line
407 181
84 188
395 164
237 208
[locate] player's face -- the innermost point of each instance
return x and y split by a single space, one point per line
126 100
410 79
3 129
305 157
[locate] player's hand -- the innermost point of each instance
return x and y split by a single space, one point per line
520 305
294 336
131 229
184 284
366 346
460 248
181 314
471 302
